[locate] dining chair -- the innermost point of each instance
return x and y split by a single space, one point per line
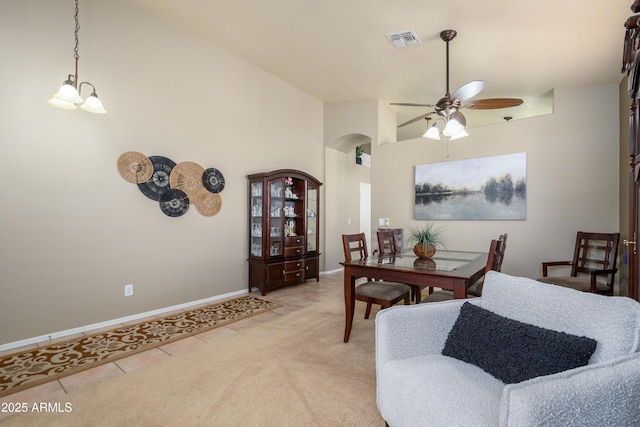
387 245
494 262
372 292
594 257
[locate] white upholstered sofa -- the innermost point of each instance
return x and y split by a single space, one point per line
418 386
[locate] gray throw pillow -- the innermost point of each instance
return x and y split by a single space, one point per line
513 351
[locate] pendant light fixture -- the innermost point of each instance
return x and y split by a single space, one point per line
68 97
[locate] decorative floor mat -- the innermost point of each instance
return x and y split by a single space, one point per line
26 369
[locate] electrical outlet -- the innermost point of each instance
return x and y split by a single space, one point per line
128 290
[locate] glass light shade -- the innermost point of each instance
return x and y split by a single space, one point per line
452 128
459 135
68 93
57 102
93 105
432 133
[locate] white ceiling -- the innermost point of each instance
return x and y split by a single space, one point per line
337 50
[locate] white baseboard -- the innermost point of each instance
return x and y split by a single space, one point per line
114 322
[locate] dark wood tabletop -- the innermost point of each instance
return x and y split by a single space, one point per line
453 270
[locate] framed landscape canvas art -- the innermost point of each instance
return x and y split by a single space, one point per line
487 188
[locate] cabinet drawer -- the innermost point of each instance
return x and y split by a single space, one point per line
293 276
291 252
294 241
293 265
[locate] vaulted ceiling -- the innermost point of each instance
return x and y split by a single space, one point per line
337 50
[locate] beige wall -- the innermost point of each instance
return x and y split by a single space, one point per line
72 231
572 178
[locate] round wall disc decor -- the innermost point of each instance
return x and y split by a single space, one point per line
173 186
213 180
174 202
158 184
135 167
207 203
186 176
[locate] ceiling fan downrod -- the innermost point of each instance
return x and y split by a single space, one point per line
447 36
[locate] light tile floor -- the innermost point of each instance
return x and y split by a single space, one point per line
292 298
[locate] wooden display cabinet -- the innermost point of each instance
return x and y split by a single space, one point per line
284 225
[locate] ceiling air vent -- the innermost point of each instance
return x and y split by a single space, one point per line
404 39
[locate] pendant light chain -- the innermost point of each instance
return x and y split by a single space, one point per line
75 55
75 50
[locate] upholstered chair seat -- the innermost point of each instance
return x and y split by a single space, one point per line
382 290
578 283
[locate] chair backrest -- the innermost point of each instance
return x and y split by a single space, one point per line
491 259
354 243
387 242
595 251
613 321
496 253
399 233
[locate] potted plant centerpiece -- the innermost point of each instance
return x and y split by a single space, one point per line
426 239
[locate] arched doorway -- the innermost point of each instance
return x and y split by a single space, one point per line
342 181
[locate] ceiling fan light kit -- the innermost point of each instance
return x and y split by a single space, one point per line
448 108
432 133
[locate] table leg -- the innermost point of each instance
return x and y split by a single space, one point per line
459 289
349 301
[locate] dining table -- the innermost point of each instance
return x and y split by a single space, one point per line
447 269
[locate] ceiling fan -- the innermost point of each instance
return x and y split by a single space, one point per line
448 108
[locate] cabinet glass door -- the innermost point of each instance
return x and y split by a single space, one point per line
312 218
276 217
256 219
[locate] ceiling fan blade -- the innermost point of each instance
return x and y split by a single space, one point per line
493 103
469 90
424 116
408 104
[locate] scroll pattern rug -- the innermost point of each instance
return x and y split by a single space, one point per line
26 369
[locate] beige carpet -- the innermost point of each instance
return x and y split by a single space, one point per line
291 371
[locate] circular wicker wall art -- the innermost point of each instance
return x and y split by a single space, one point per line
173 186
135 167
187 176
174 202
158 184
213 180
207 203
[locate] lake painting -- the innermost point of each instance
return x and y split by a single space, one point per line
487 188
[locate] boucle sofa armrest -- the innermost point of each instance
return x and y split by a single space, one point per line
408 331
601 394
